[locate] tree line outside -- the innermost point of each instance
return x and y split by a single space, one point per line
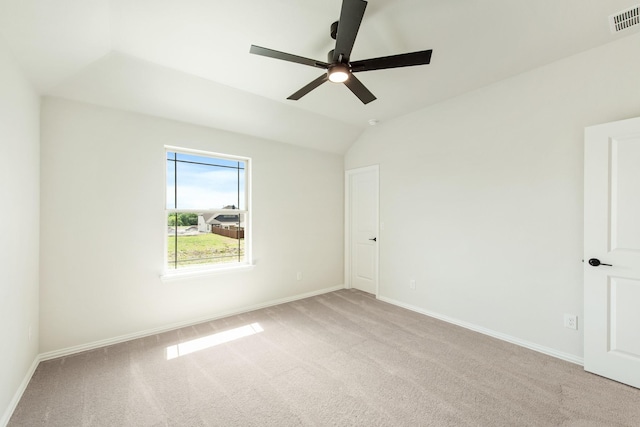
182 219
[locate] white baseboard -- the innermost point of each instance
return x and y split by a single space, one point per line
18 395
128 337
504 337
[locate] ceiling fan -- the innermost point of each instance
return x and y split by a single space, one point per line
339 66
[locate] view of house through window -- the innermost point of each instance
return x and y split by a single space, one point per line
206 209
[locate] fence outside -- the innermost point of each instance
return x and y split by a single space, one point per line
234 234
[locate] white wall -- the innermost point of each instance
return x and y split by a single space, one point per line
103 224
19 216
481 196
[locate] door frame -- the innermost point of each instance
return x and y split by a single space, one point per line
349 174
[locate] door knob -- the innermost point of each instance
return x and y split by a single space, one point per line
374 239
596 262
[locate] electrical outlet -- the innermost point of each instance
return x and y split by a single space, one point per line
571 321
412 284
299 275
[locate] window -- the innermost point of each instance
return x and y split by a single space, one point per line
207 210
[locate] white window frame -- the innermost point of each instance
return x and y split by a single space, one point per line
199 270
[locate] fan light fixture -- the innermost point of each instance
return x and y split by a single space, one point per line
338 73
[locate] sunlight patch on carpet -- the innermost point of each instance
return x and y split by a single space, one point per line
209 341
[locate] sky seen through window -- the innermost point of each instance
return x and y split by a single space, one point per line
204 182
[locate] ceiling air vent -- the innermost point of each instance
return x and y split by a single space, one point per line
625 19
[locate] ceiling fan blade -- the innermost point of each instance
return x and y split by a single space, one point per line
263 51
350 18
395 61
359 90
308 88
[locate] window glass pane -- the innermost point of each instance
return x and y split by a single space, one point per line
171 176
241 203
200 239
206 183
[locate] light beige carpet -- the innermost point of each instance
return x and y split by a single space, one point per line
339 359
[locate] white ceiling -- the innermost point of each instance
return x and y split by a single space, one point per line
189 59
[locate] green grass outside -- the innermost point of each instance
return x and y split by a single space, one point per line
201 249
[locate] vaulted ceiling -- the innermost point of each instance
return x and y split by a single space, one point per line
189 59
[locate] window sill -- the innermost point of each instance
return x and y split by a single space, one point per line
190 274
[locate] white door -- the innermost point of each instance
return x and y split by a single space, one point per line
362 229
612 236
